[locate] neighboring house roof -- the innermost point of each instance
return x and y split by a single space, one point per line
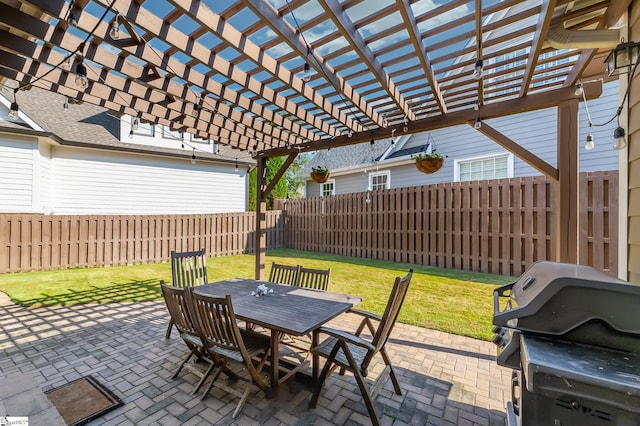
408 151
347 156
92 126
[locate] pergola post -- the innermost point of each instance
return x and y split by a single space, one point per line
567 199
261 218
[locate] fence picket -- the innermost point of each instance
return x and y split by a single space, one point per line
499 226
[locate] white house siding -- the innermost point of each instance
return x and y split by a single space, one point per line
45 187
16 174
535 130
105 182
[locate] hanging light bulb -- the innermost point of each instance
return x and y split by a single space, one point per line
476 106
72 19
620 139
350 133
136 124
131 134
14 111
372 143
114 31
306 73
81 76
405 128
65 105
477 70
236 164
578 91
589 145
478 123
193 157
66 64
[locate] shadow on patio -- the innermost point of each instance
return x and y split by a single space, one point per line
446 379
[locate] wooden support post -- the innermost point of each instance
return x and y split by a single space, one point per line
566 224
261 218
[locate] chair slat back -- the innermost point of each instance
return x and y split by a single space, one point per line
284 274
176 302
189 268
317 279
216 322
396 298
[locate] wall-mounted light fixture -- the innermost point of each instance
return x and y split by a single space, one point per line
620 59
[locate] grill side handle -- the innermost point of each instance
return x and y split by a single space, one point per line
501 317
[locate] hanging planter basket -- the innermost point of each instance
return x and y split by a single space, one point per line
429 165
320 177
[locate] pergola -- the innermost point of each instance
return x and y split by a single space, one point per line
281 77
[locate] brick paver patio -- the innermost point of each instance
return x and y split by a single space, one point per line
446 379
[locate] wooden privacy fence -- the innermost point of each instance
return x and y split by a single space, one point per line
499 226
30 242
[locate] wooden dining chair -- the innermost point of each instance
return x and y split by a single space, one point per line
317 279
188 269
222 339
353 353
176 302
284 274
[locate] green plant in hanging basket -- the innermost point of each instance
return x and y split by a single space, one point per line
428 163
320 174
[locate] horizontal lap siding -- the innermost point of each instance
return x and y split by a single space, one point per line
31 242
499 226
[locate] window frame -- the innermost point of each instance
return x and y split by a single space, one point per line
166 134
386 173
333 189
143 130
510 164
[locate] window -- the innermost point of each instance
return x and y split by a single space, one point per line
380 180
328 188
196 139
167 133
494 166
144 127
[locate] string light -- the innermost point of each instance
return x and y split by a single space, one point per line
66 64
478 123
406 124
579 89
193 156
114 31
72 20
14 110
306 73
590 144
236 164
131 134
477 70
619 139
65 105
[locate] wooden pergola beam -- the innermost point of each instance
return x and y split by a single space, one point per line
293 39
516 149
548 7
414 35
536 101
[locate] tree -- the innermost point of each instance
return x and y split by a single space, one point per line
294 181
279 191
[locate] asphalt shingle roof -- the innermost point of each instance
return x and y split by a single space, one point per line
85 124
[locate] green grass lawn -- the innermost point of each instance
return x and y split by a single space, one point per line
443 299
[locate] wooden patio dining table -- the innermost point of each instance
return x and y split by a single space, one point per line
288 310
